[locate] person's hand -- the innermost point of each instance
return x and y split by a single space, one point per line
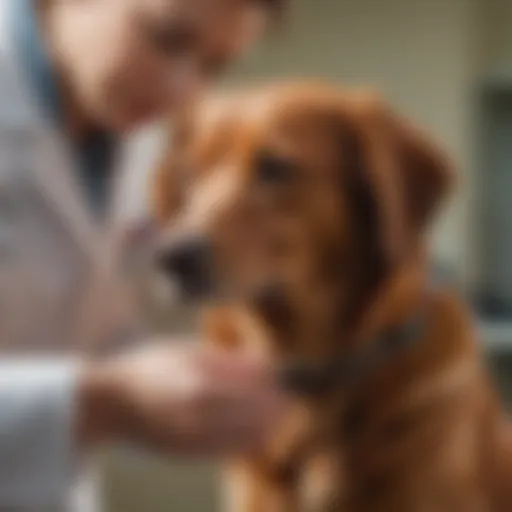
188 400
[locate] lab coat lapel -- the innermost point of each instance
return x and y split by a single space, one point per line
53 174
130 208
107 303
58 179
111 305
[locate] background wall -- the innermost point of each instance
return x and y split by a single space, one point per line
496 48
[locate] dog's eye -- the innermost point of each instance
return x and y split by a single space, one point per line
274 169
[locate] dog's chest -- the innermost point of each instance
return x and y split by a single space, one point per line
322 483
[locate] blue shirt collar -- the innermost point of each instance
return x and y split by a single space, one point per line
95 154
35 63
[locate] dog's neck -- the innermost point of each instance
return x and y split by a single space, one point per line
324 323
369 428
385 423
395 299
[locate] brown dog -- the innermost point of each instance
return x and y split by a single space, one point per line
303 211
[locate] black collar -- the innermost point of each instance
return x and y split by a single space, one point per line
308 379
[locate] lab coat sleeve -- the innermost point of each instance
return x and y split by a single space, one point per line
37 455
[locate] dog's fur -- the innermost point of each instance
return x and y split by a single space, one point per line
316 204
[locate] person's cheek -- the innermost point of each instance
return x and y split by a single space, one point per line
138 94
133 96
157 88
182 83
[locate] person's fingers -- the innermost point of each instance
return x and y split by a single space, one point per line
233 366
222 439
195 400
226 423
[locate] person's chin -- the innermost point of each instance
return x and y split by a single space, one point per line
128 124
140 116
128 121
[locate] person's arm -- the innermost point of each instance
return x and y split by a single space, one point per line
181 399
184 400
37 402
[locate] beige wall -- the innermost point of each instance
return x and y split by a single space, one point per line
497 41
422 55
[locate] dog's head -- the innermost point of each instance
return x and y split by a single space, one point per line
298 200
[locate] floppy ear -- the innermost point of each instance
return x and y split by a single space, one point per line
400 178
424 172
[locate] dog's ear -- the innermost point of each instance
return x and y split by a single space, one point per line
399 178
425 173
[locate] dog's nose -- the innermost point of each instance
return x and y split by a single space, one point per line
188 263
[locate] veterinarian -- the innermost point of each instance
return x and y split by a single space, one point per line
75 76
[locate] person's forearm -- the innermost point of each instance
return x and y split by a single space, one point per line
37 445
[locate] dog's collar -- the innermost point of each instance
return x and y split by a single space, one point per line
308 379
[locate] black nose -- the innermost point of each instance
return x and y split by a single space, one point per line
188 263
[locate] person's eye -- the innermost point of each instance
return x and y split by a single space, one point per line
274 169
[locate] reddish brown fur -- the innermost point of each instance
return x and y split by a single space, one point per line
424 431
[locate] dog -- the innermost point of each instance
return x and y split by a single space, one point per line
299 214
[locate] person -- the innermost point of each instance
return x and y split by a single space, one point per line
76 76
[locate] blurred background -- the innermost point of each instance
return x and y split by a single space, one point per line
448 65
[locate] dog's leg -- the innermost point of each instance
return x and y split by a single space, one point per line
268 484
272 481
248 488
323 483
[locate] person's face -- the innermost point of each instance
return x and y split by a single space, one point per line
130 61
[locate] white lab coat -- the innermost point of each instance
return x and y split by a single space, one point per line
62 290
